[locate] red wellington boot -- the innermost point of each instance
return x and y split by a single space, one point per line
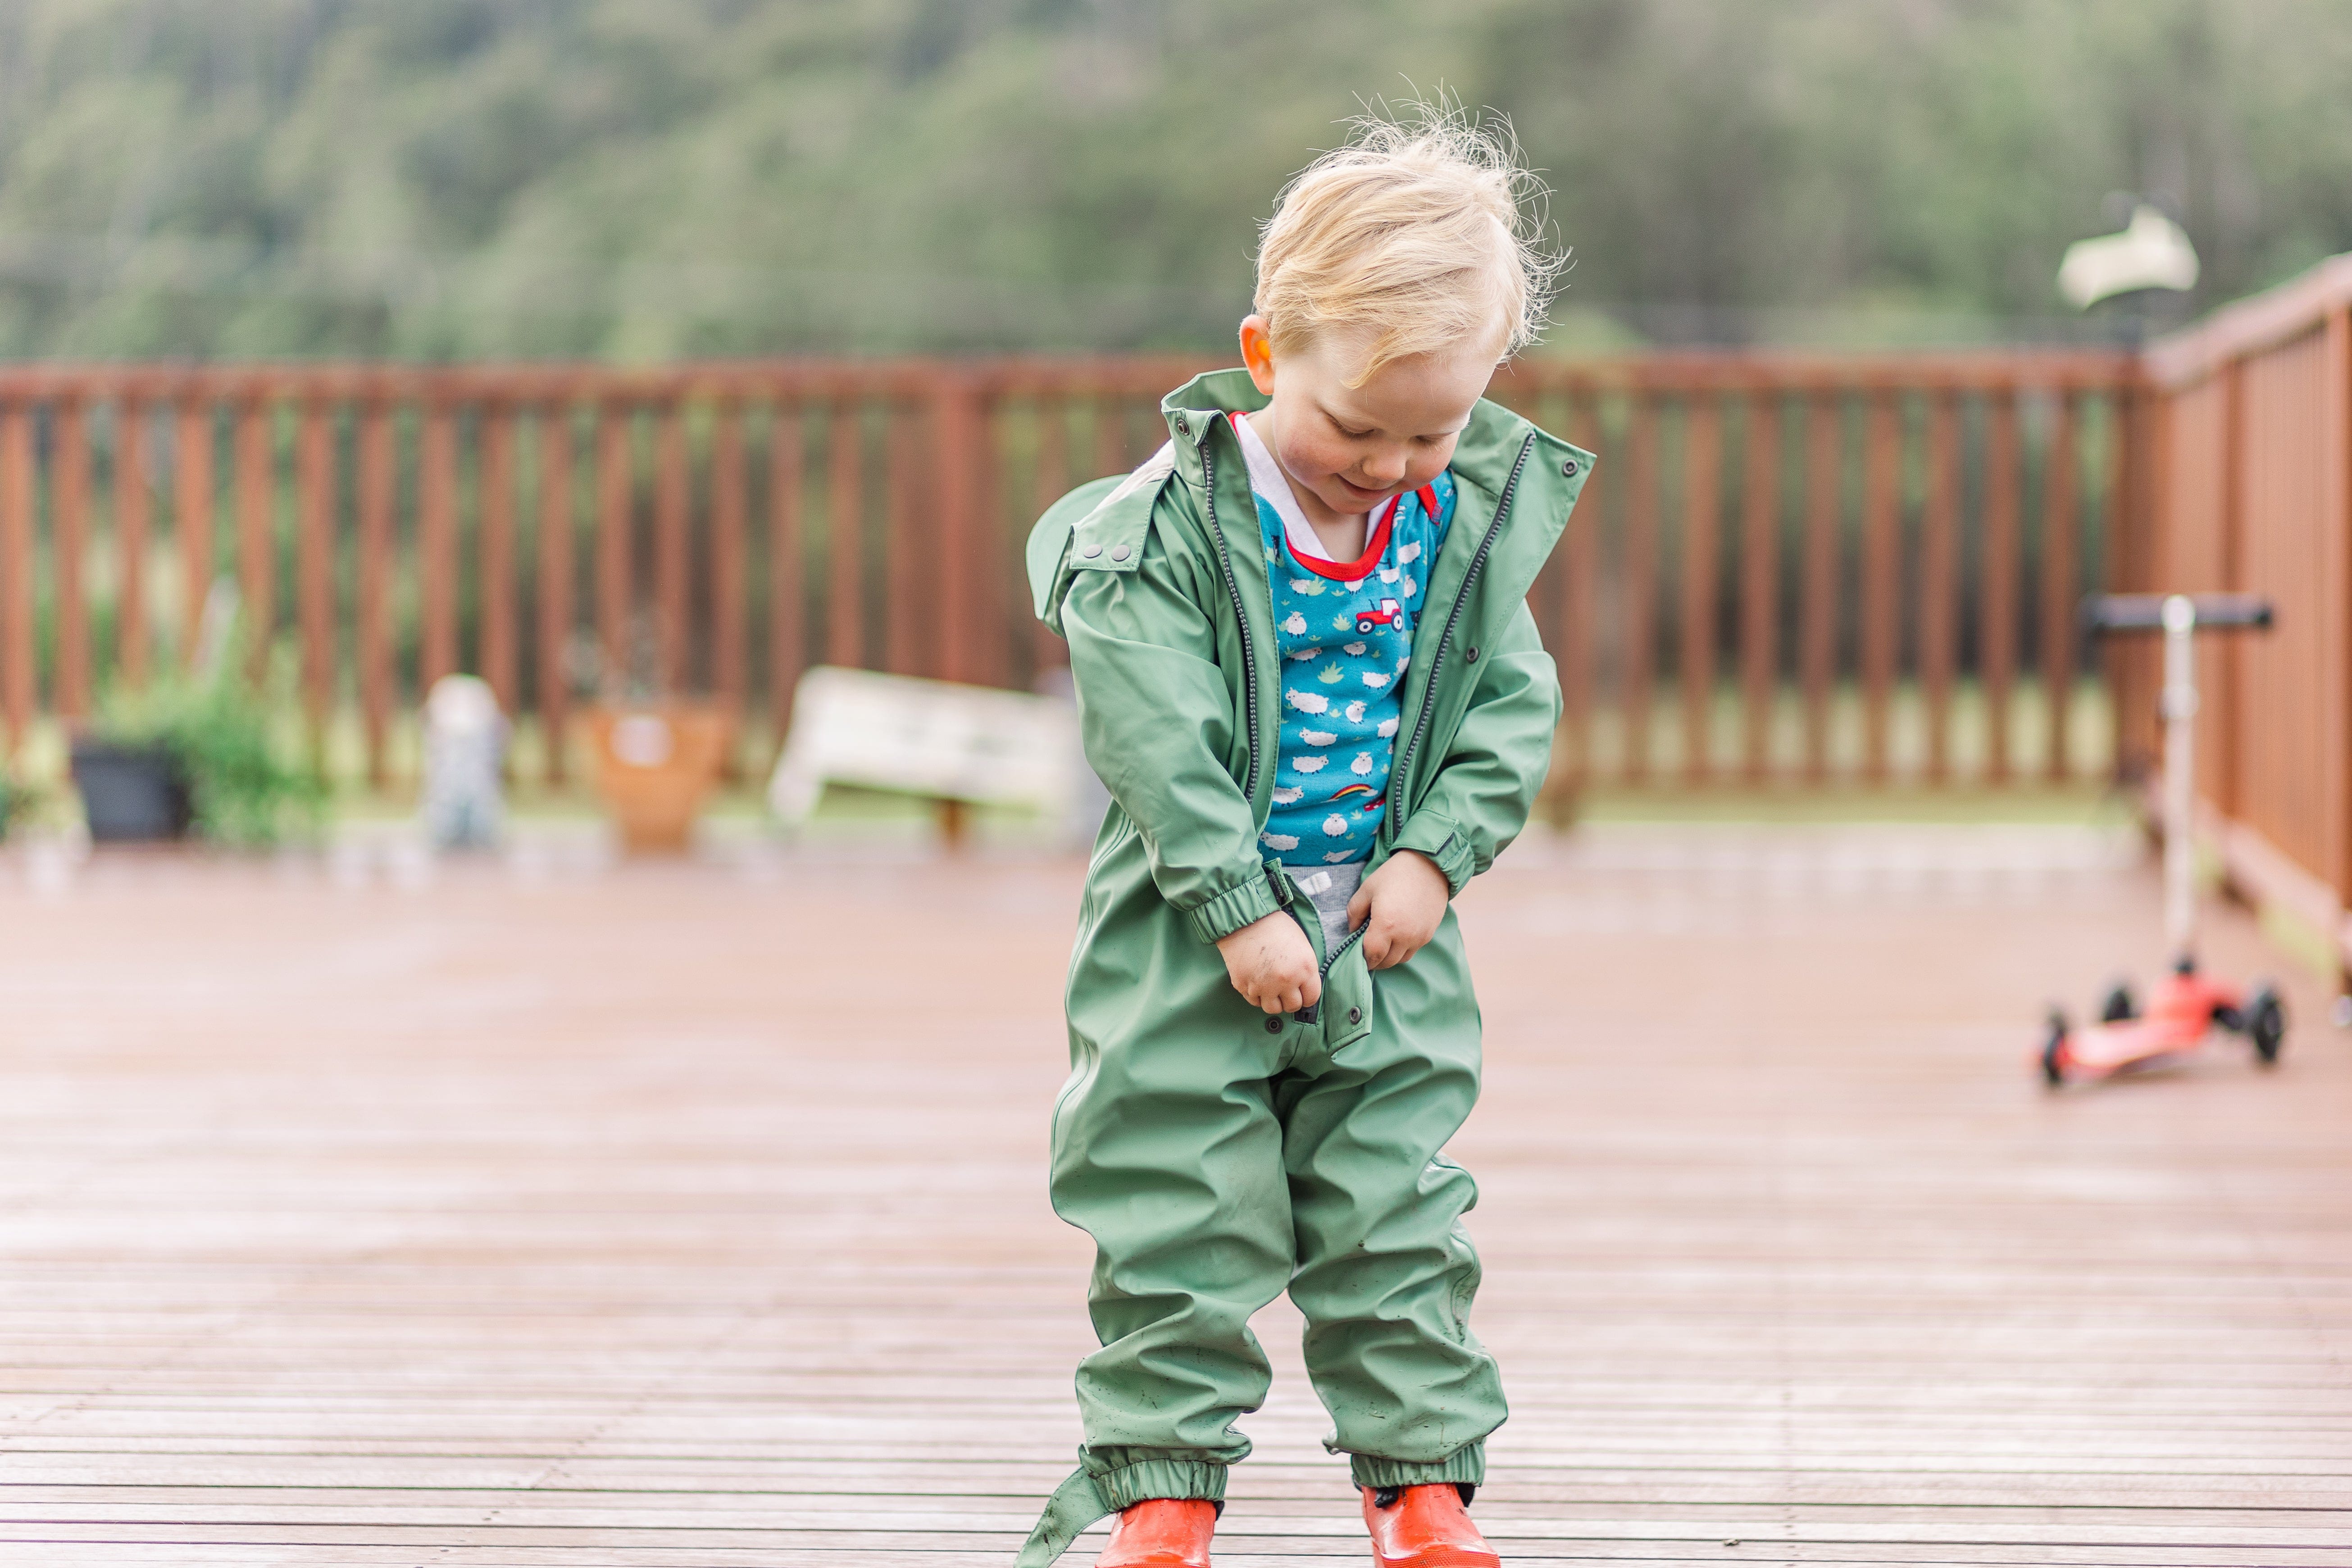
1424 1527
1162 1533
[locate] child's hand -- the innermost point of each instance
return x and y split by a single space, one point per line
1271 964
1399 906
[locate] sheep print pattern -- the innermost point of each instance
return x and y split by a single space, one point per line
1345 633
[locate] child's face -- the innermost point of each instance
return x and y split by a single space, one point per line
1353 447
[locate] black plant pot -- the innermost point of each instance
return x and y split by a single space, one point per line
131 795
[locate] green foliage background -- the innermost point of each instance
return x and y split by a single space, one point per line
637 179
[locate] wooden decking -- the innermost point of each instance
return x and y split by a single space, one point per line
695 1215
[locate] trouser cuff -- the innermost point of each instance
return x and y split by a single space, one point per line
1147 1478
1466 1465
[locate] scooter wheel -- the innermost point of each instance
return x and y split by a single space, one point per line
2120 1006
2054 1052
2266 1025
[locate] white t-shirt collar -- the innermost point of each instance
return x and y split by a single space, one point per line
1266 478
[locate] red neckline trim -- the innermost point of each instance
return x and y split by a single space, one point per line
1375 547
1363 566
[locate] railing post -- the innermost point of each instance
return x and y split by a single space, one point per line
1997 625
436 542
1818 609
1702 523
314 533
256 556
614 482
499 658
787 563
729 576
71 540
673 498
2134 493
1938 584
1636 673
844 530
904 601
1051 481
960 427
378 474
1579 611
2335 589
555 511
2060 519
192 521
1882 574
18 692
1760 563
133 510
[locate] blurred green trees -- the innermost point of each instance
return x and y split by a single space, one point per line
646 178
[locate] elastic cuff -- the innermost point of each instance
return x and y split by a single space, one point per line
1148 1479
1467 1464
1441 839
1231 909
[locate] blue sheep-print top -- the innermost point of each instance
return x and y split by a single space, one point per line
1345 635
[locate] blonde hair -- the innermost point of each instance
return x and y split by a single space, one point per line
1413 233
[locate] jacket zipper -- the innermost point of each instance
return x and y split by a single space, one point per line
1350 939
1429 690
1398 769
1249 656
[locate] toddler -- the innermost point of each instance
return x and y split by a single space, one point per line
1307 673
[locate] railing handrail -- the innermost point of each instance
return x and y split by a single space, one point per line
2300 305
554 382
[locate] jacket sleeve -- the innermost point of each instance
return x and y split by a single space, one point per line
1488 781
1158 722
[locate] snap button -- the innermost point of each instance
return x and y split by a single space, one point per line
1568 470
1183 425
1121 553
1273 1025
1091 550
1474 655
1355 1015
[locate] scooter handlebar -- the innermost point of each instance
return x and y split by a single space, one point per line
2106 614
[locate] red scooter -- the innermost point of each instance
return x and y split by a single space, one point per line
2187 1007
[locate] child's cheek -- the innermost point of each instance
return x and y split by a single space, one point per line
1315 462
1428 464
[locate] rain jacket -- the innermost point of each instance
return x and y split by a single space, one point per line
1158 583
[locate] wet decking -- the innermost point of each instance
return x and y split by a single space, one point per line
545 1214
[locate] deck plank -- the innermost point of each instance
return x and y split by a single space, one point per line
540 1214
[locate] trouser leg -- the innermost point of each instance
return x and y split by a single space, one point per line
1386 1273
1167 1152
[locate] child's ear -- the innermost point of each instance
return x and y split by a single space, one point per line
1257 354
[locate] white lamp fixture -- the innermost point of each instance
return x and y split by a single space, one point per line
2150 253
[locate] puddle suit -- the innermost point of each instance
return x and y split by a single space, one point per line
1216 1155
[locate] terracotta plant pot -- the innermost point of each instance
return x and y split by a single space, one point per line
654 766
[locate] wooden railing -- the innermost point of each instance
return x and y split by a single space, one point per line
2253 447
1842 569
1814 569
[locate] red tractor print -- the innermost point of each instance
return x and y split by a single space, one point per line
1387 614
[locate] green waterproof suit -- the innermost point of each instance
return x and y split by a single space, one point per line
1218 1155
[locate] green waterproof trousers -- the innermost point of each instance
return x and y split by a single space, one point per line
1217 1157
